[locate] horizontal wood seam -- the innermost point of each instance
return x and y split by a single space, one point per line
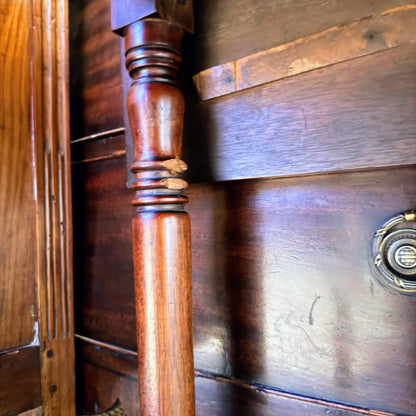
15 350
292 396
106 345
260 388
114 155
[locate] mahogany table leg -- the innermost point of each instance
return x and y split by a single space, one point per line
161 227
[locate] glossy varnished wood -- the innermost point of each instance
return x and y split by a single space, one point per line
277 300
96 99
106 148
162 256
160 226
17 219
102 235
19 381
286 265
109 374
51 153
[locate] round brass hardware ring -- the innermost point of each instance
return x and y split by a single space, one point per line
393 253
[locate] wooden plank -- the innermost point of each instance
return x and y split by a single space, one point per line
231 398
386 30
19 381
264 252
106 148
355 115
283 292
214 394
106 377
17 218
227 31
102 243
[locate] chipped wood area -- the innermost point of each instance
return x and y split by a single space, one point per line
174 183
338 44
175 166
34 412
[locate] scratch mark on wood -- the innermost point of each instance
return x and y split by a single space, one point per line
312 307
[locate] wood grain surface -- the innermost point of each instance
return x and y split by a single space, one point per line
160 227
19 381
107 148
50 136
96 100
285 265
17 210
226 31
386 30
354 115
109 374
283 294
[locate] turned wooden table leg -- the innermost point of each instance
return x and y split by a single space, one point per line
161 227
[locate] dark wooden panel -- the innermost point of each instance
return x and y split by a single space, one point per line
108 375
389 29
238 399
19 381
96 100
283 295
348 116
103 269
226 31
107 148
17 219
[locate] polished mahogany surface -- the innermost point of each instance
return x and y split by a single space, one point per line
17 216
96 100
283 296
160 227
273 302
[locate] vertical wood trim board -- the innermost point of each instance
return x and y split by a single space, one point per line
50 90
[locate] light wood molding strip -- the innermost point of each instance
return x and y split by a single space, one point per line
386 30
99 136
106 345
50 121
